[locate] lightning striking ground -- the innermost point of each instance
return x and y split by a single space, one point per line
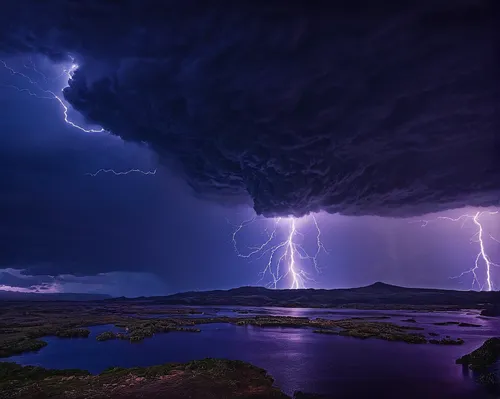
283 256
126 172
479 237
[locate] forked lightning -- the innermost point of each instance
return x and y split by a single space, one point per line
482 256
50 95
284 258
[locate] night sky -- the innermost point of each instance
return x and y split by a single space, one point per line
372 120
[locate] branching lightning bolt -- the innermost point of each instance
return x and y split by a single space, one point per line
482 254
285 254
49 94
126 172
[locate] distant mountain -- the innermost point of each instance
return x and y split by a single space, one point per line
22 296
378 295
373 295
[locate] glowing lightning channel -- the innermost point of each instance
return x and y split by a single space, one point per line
477 237
485 257
284 254
297 280
150 172
52 96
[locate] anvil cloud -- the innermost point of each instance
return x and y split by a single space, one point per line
346 107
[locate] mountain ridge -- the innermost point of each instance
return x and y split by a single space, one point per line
376 294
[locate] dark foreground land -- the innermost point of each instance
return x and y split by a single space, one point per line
200 379
203 379
23 326
482 361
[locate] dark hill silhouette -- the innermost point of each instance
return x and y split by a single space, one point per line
375 295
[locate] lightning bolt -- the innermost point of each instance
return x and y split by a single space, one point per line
150 172
285 254
479 237
48 94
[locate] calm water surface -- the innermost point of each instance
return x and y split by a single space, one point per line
298 359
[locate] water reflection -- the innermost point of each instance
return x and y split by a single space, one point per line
297 358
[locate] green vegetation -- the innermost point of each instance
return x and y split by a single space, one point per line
15 347
354 327
274 321
481 361
138 330
208 378
105 336
380 330
483 357
14 376
23 324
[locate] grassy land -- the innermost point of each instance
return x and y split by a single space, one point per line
482 360
483 357
23 325
201 379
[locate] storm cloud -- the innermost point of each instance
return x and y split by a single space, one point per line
346 107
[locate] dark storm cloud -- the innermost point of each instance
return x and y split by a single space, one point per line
355 108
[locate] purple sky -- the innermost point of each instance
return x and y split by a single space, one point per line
390 119
148 235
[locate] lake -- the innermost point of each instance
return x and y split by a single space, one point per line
298 359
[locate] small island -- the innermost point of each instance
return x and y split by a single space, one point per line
21 334
456 323
491 311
